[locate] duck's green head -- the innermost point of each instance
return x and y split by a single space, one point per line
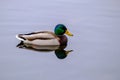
60 29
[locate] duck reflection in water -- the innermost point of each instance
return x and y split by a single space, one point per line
58 50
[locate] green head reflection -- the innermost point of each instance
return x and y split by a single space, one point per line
61 54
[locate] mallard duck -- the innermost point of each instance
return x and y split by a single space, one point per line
46 38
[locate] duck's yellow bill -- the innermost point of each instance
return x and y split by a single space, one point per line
68 33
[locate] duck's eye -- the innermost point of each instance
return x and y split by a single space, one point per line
63 28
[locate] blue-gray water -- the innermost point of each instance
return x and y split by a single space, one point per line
95 44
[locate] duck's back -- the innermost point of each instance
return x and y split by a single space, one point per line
43 38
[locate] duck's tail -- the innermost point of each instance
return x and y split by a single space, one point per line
18 36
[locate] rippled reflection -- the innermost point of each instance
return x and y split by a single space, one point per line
58 50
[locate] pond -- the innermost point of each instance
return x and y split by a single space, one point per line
94 49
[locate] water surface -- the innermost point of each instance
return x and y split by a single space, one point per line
95 45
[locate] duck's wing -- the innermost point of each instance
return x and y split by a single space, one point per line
43 35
